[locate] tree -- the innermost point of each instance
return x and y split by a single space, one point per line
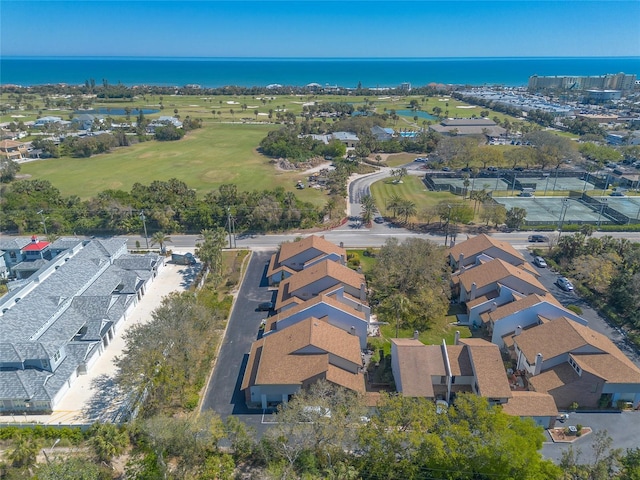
25 449
209 249
408 439
515 217
368 208
8 170
407 208
107 441
415 269
160 239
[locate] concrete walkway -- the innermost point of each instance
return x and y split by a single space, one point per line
94 396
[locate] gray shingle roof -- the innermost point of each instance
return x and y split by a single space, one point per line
92 289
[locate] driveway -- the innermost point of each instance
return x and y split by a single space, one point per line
223 392
548 278
622 427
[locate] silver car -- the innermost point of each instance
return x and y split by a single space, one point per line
564 284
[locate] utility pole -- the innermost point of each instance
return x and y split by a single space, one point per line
229 226
144 224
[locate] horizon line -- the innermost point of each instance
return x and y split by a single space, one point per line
151 57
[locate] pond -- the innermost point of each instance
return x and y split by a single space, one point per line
417 113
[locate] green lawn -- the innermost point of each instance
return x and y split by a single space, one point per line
204 159
412 189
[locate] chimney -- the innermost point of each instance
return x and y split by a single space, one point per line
472 293
518 330
363 291
538 364
460 260
416 334
34 239
457 340
352 330
494 305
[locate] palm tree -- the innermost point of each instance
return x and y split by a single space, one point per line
331 206
368 205
394 203
407 208
160 239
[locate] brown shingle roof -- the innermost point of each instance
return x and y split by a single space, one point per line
459 361
291 249
493 272
521 304
566 336
272 321
479 244
416 360
327 268
491 376
277 358
530 404
555 377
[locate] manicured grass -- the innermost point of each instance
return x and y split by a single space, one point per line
412 189
204 159
366 262
439 330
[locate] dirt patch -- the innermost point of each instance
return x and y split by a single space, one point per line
563 435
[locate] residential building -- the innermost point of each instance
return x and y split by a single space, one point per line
283 363
296 256
618 81
495 279
333 309
574 363
535 405
12 150
438 372
522 313
382 134
324 277
57 322
350 139
483 248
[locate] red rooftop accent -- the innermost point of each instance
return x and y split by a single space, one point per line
35 247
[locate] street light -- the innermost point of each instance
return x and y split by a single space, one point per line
563 213
446 235
602 207
44 223
548 175
144 224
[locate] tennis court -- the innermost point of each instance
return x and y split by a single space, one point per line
629 206
551 184
549 209
478 184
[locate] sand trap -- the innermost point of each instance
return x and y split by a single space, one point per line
466 106
444 99
298 103
263 114
194 105
384 98
231 102
18 116
252 106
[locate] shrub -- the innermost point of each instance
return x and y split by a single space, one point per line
575 309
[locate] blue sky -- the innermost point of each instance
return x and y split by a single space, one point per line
472 28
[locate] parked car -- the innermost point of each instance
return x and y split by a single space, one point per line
265 306
445 169
539 262
493 169
538 238
564 284
617 193
378 220
421 159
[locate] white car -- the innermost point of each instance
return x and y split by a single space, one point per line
539 262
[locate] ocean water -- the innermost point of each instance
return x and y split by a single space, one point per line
347 72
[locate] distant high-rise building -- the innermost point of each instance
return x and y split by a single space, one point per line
618 81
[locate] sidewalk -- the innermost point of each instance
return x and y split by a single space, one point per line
88 389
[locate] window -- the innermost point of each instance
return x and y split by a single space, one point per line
56 356
575 366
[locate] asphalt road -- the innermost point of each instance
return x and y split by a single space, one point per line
223 392
548 278
623 428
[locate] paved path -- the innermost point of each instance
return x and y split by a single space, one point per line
223 392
